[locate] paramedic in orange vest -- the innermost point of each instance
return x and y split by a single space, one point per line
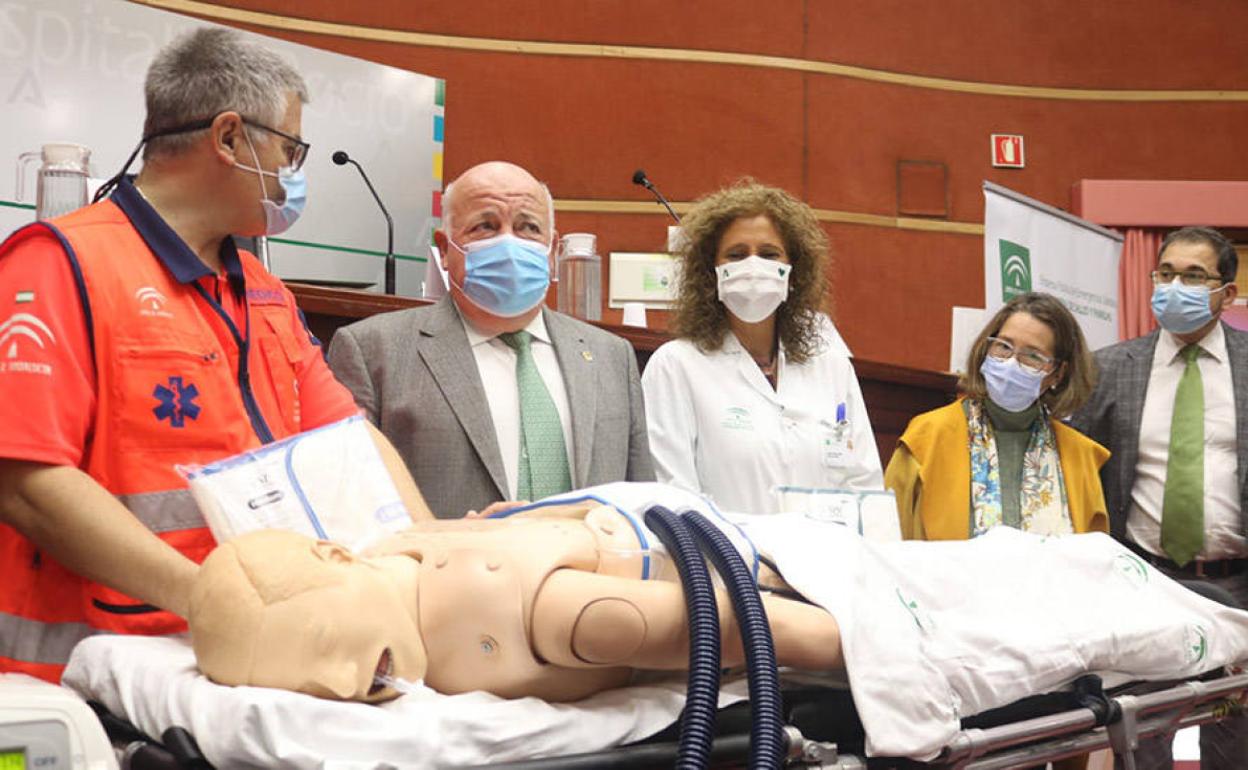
135 337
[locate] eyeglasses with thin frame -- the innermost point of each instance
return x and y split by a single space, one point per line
296 149
1193 277
1038 362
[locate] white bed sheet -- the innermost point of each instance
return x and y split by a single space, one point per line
153 682
936 631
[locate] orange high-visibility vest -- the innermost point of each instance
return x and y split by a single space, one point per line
168 394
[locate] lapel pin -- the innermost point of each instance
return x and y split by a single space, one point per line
588 356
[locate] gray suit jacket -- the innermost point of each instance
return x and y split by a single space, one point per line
413 373
1114 413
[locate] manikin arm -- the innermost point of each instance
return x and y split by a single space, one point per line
582 619
71 517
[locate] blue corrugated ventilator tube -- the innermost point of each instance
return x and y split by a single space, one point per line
697 720
767 742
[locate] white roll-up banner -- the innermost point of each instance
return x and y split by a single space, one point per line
1032 246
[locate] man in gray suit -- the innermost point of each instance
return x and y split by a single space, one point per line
489 396
1170 406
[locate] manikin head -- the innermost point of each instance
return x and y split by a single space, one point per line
277 609
488 201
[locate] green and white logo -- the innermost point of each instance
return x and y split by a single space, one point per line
1015 269
921 617
1131 568
1196 643
737 418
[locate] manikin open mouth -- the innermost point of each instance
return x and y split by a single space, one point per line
382 675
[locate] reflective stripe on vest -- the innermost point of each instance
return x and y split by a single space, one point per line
31 640
165 511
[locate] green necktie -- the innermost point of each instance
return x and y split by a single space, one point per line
543 467
1183 505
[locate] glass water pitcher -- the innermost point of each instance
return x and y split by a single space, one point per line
61 185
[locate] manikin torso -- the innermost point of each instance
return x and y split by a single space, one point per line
546 604
500 567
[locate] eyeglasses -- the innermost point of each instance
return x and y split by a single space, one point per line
296 149
1193 277
1003 350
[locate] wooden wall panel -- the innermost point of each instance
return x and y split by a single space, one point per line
584 123
1126 44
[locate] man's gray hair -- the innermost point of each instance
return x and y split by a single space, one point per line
446 208
211 70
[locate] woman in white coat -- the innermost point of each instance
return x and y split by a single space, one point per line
757 391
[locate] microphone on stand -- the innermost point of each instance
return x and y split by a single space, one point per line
341 158
639 177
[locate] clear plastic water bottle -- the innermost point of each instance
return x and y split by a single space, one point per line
580 277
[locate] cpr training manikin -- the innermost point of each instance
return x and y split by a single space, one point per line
546 603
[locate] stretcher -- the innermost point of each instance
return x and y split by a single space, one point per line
923 689
823 731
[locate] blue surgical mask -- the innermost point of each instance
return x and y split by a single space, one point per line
279 219
1010 386
1182 309
505 276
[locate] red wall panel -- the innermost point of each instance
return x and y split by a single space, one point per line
583 124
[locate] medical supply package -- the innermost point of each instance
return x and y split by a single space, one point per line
870 513
329 483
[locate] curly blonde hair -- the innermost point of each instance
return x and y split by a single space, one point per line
700 317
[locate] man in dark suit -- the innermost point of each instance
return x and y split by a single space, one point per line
1170 406
489 396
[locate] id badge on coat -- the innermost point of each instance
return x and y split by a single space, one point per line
836 442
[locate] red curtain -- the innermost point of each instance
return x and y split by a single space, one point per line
1135 284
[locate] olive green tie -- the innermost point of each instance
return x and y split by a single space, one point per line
543 467
1183 504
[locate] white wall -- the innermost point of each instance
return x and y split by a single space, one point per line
72 70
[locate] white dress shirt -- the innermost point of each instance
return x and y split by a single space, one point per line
496 363
1223 539
717 427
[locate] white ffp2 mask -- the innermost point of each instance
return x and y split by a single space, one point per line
752 288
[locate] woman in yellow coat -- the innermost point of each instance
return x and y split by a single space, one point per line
1000 454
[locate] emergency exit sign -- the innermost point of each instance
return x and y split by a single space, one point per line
1007 150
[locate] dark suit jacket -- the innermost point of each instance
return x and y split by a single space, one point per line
1114 413
413 373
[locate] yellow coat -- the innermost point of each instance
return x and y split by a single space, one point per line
930 472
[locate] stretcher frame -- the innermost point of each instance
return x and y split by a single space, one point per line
1023 744
1026 743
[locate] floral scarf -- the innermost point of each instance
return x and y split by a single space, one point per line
1043 490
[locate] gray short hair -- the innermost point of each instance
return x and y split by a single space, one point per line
208 71
446 208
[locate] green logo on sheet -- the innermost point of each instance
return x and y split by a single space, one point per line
1196 642
917 613
1131 568
1015 269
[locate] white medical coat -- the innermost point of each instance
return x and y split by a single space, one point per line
718 428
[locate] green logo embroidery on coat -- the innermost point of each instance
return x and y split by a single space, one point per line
738 418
